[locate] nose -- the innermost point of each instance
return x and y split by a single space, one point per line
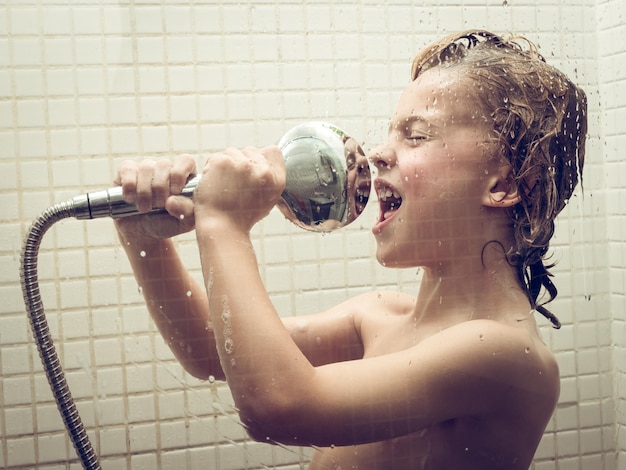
382 157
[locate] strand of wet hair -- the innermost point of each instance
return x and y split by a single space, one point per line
532 278
535 277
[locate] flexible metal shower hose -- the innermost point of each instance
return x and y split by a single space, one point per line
41 333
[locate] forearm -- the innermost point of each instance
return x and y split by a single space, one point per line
176 302
261 362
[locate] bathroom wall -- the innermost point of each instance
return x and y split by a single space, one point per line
84 85
612 81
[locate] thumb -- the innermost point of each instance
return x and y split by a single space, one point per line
272 153
181 207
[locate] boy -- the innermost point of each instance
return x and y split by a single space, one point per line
483 152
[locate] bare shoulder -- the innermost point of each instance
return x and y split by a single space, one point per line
511 354
336 334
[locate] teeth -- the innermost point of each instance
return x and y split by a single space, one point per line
385 194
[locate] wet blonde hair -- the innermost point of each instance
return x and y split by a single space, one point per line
539 124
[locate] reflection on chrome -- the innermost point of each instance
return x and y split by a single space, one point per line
328 177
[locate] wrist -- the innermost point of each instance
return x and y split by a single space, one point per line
220 225
129 238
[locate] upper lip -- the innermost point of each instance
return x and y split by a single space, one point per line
384 187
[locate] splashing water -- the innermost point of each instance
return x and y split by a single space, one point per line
302 326
209 282
228 330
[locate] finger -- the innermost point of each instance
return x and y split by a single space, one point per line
184 167
145 172
161 182
274 155
127 178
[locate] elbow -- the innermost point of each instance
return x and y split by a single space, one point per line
274 420
205 375
201 369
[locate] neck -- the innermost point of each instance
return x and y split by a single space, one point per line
485 286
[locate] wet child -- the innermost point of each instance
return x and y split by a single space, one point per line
484 150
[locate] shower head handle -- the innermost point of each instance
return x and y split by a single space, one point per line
110 203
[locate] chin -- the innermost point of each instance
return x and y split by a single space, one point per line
391 261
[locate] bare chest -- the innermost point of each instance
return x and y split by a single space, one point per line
446 445
407 452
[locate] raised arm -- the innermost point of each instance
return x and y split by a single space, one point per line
176 302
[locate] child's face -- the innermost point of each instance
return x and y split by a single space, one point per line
433 171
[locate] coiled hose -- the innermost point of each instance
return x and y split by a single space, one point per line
41 333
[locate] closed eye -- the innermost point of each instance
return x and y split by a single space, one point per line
417 139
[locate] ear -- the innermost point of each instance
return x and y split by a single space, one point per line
501 190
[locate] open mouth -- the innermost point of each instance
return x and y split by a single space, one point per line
389 200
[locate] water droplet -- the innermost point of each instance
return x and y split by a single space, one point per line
188 293
481 337
302 326
181 216
527 350
229 345
142 254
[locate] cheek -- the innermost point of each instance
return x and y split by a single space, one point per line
427 180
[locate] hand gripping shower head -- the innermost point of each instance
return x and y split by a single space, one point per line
328 182
110 203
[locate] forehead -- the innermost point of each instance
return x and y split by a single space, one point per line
440 97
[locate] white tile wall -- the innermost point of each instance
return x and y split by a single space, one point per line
86 84
611 18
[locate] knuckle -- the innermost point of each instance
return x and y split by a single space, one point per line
146 165
163 164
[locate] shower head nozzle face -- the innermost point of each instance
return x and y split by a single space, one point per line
328 177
